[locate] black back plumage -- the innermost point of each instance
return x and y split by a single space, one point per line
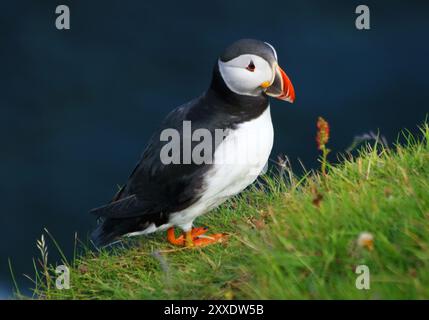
155 190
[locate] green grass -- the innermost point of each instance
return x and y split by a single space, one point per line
289 239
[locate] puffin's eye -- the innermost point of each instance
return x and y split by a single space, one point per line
251 66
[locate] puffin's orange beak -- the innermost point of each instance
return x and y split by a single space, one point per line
282 87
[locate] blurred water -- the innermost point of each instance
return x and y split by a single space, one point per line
76 107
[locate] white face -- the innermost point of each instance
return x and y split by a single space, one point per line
246 74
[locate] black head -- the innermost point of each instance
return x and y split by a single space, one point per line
249 67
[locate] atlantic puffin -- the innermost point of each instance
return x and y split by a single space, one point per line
160 196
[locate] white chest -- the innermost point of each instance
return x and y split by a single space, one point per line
240 158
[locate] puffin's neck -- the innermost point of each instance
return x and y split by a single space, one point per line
243 107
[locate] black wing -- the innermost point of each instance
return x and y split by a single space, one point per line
154 187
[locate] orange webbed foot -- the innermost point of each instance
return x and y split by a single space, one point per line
195 238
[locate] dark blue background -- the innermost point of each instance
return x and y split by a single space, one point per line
77 106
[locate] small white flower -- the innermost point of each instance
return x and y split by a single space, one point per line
366 240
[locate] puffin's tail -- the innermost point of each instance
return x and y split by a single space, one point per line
110 230
101 236
105 233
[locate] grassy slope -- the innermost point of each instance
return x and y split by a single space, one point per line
283 245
